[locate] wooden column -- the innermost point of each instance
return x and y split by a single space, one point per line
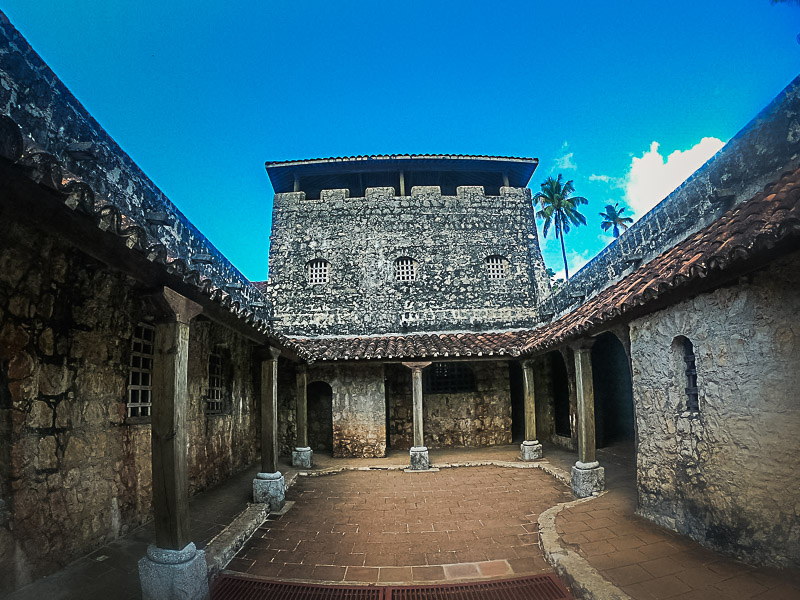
416 391
269 412
530 401
585 392
302 407
169 436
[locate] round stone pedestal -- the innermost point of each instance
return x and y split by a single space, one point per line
270 488
301 458
178 574
530 450
419 458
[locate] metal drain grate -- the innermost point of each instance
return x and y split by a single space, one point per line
535 587
234 587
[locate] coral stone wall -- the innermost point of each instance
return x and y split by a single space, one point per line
727 476
479 418
358 408
449 237
74 473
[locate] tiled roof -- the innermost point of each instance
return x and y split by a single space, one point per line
769 219
282 163
429 345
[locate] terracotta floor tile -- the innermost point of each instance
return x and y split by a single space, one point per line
428 573
627 575
461 571
327 573
662 566
494 568
394 575
362 574
660 588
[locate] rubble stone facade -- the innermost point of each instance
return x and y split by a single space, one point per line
75 472
725 474
449 239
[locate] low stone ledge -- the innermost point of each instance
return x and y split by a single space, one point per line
224 546
583 579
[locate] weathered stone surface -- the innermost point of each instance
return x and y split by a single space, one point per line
419 458
722 475
474 419
587 479
301 458
530 450
270 489
448 236
175 574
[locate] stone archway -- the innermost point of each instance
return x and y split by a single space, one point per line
613 391
320 416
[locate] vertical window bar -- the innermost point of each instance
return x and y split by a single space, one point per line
140 371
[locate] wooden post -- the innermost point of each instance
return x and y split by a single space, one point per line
296 187
169 436
302 407
585 392
505 178
269 412
402 183
530 401
419 453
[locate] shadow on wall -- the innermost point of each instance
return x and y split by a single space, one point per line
613 391
320 416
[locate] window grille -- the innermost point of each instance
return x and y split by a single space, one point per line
405 269
448 378
215 395
692 402
140 373
317 271
496 267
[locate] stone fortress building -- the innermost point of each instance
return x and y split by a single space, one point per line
407 307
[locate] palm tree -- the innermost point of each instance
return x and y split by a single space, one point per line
613 218
559 209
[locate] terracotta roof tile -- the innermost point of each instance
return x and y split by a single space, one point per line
746 231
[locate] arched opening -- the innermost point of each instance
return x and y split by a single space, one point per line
561 411
320 416
613 392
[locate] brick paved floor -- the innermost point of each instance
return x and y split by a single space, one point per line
649 562
392 526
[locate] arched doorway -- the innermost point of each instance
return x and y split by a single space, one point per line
561 408
320 416
613 391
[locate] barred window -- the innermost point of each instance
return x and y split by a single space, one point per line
496 267
448 378
215 394
405 269
692 401
317 271
140 373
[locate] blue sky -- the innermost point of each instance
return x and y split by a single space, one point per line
201 94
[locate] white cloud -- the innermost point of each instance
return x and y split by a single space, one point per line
564 162
605 178
651 178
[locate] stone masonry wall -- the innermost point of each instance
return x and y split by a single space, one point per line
480 418
726 476
74 473
358 407
448 236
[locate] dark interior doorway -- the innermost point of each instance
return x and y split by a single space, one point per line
561 412
517 390
320 416
613 391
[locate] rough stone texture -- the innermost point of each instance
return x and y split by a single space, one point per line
479 418
724 476
170 574
358 407
587 481
530 451
770 142
301 458
270 489
419 459
77 474
448 236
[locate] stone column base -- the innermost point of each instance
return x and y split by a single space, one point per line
174 574
530 450
269 488
419 458
587 479
301 458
